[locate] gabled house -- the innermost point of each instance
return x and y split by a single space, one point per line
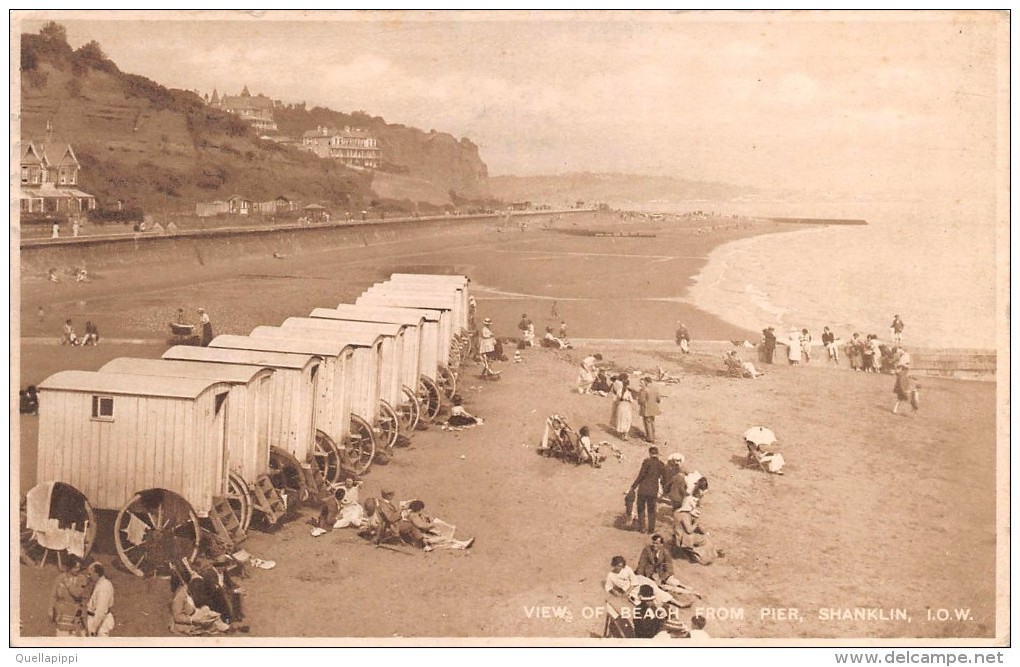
49 176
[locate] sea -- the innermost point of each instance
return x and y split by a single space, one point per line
933 263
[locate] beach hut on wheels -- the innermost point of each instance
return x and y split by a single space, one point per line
292 406
416 388
459 321
348 439
464 328
360 375
395 416
415 378
460 283
443 343
153 451
248 433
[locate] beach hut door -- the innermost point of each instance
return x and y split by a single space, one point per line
220 433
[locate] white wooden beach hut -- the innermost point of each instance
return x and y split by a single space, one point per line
154 451
248 425
419 366
337 427
295 392
392 401
446 378
459 283
360 374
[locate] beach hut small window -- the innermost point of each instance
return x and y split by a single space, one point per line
102 408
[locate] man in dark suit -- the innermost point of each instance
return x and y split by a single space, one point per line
647 616
647 486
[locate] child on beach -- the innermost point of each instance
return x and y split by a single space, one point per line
906 389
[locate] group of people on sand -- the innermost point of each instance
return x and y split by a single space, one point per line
653 587
81 602
383 518
69 337
594 378
869 354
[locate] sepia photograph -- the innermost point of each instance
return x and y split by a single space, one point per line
683 329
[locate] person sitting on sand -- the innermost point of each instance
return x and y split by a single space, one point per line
656 563
459 416
432 533
743 368
768 459
69 338
601 385
549 340
185 617
91 334
588 450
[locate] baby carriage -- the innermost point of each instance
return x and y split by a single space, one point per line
561 441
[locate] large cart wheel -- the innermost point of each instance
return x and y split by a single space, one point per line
327 456
155 528
409 410
431 399
389 426
239 498
360 445
76 512
287 476
447 381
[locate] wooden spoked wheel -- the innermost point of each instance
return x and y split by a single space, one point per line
287 476
155 528
431 399
389 426
328 457
75 512
447 381
360 445
409 410
239 497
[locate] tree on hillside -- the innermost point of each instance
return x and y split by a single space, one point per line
54 32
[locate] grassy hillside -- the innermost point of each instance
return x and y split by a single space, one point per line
164 150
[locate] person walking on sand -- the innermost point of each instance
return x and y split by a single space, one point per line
646 485
207 333
683 339
906 389
896 329
769 342
487 345
648 401
622 400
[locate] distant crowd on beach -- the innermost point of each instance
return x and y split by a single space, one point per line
869 354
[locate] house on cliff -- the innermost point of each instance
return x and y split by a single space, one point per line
49 180
353 147
257 110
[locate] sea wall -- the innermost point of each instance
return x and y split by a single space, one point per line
206 247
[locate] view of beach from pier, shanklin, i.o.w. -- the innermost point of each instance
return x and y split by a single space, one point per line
486 331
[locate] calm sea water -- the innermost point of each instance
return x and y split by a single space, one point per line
933 264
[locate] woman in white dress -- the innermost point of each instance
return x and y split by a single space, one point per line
623 400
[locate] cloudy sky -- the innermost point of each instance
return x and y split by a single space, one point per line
851 102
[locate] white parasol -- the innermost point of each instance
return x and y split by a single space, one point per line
760 435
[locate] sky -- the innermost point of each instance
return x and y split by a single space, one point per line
811 101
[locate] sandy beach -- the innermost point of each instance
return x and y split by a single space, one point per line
868 516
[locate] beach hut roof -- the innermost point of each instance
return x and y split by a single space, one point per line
338 340
330 324
263 358
287 343
385 313
233 373
130 384
432 301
